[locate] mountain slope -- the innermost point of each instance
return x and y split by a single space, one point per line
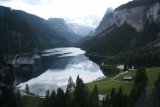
62 28
81 29
126 29
22 32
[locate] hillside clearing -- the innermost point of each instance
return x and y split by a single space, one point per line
105 85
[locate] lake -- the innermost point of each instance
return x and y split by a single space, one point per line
63 63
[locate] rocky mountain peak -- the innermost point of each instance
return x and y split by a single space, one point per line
135 17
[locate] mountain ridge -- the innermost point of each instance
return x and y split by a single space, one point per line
23 32
81 29
135 17
60 26
126 31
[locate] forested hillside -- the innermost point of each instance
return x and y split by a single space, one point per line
124 32
23 32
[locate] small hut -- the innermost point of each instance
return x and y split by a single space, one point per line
127 78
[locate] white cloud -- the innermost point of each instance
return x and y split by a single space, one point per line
63 8
68 9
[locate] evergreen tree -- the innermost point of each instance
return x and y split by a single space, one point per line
81 93
106 102
70 85
125 100
95 95
142 100
60 98
139 86
94 99
27 88
18 97
7 98
113 98
125 67
154 100
141 79
120 98
116 99
53 98
47 94
6 75
157 85
74 103
47 101
68 99
1 60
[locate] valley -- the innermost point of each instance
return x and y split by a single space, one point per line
56 62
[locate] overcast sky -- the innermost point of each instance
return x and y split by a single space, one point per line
63 8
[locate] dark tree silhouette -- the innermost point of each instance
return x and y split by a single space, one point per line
47 100
60 98
154 100
94 99
81 93
70 84
139 85
53 98
27 89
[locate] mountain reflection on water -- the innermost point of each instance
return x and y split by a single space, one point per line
62 63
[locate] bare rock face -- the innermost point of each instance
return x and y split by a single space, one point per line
135 17
153 13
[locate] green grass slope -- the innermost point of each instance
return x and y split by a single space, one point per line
105 85
32 101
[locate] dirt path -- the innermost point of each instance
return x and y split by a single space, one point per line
119 75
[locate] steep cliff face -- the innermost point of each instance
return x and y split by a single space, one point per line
153 13
126 29
135 17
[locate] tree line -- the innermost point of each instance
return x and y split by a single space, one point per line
9 95
79 95
75 96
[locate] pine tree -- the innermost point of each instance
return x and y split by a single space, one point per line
81 93
60 98
27 88
94 99
47 94
139 86
47 99
154 100
95 95
125 67
70 85
157 85
120 98
74 103
113 98
18 97
8 98
68 99
142 100
7 77
53 98
125 100
106 102
1 60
